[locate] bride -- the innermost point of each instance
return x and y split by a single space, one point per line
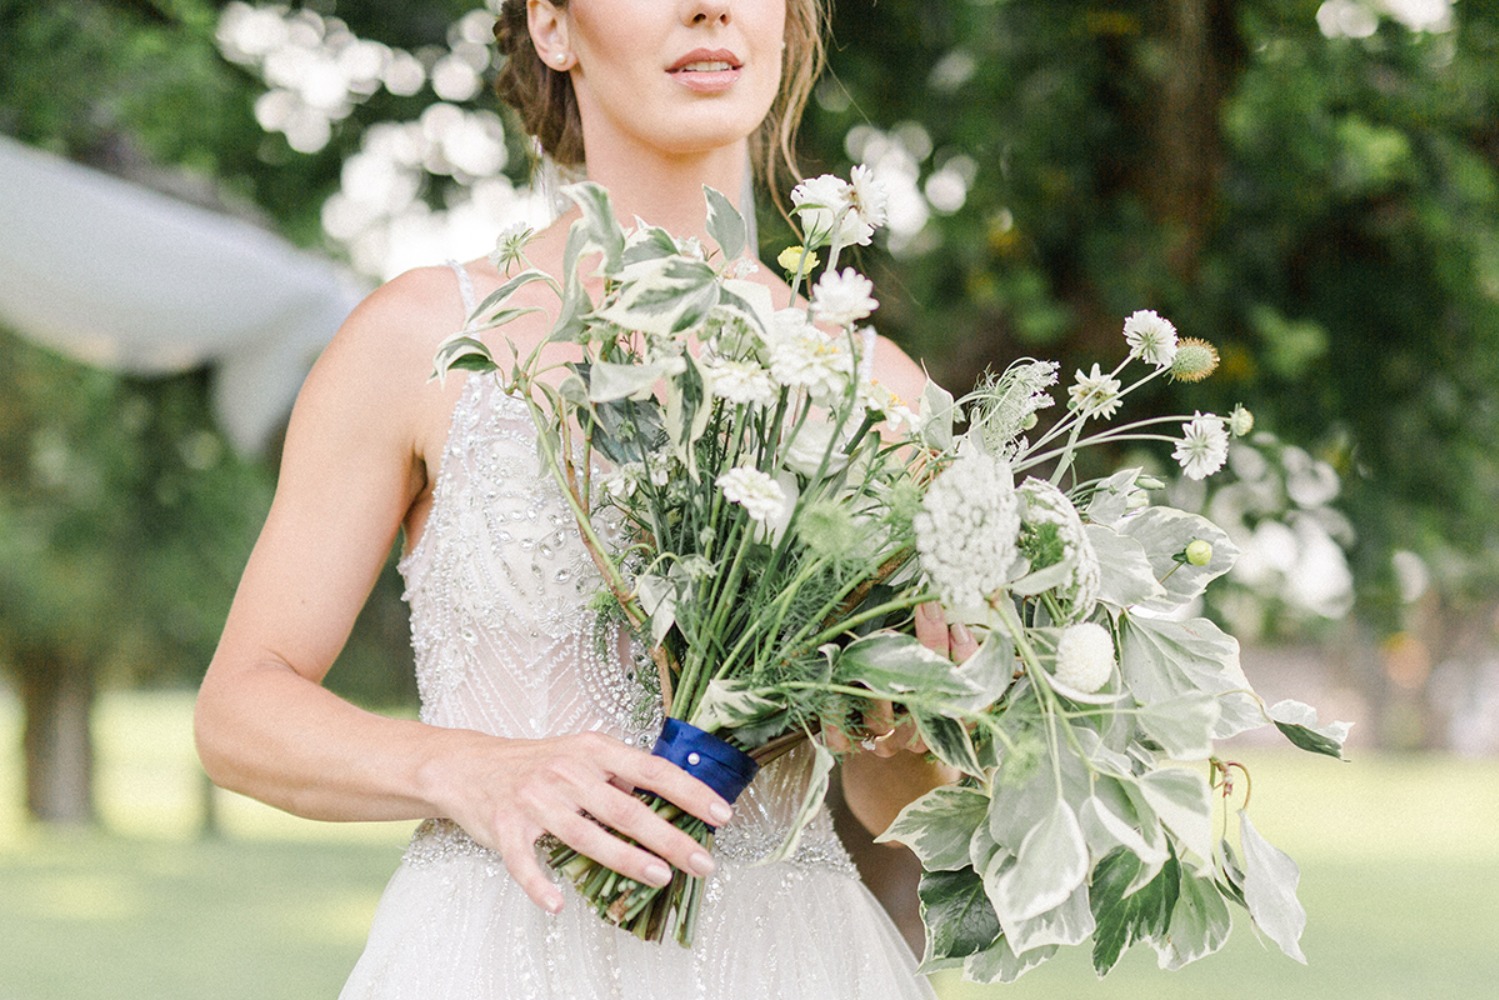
528 723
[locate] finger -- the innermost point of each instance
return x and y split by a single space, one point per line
897 740
879 719
931 627
519 856
655 774
836 739
593 841
628 815
961 644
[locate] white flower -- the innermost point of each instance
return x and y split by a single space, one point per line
509 246
739 381
842 299
1063 560
1151 338
805 451
760 495
870 197
1095 394
824 203
803 357
1240 421
743 268
1085 657
1203 447
966 530
1004 406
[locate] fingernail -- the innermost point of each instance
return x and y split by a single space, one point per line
554 905
657 874
721 813
931 610
701 864
960 634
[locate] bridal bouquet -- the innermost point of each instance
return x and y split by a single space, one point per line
782 514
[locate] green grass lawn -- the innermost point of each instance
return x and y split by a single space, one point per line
1399 857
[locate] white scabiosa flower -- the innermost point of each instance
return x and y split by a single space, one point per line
1203 447
509 247
1063 560
966 530
1095 394
825 203
760 496
803 357
740 382
1151 338
843 299
1085 657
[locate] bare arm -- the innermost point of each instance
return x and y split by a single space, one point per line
265 726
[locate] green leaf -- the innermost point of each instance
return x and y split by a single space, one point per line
609 382
1126 576
958 917
949 741
732 704
1165 532
1199 923
1124 917
990 671
509 288
939 826
658 598
1051 863
1182 725
599 223
649 243
571 325
725 225
999 964
1105 831
463 353
664 297
1270 881
900 668
1069 923
1183 800
1299 724
1160 660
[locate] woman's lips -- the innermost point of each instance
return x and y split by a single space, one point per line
707 70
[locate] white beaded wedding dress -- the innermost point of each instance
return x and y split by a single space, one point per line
505 643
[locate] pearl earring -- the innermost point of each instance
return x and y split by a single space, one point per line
559 58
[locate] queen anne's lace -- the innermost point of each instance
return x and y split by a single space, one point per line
1048 517
966 530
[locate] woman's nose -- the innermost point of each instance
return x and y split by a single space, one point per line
706 11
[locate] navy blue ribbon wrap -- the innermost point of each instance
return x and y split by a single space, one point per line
722 767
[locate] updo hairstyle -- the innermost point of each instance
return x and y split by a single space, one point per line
549 110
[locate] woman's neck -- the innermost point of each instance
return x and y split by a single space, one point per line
667 191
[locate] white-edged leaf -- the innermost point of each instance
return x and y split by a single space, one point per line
1051 864
1126 576
599 223
1000 964
1110 499
1104 829
1199 923
1164 533
658 599
664 296
812 799
1161 659
477 318
1182 725
898 667
1069 922
989 671
949 741
1270 881
461 352
725 224
939 826
730 704
1183 801
608 381
937 414
1298 722
749 299
957 915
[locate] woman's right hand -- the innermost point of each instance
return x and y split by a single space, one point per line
507 793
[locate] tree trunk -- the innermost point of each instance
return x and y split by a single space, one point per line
57 697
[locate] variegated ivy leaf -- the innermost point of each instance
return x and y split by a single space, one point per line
1184 803
571 325
658 598
1000 964
990 671
461 352
1299 724
812 799
608 382
663 297
1126 910
1183 725
482 319
1106 830
899 667
1068 923
732 704
1270 880
599 223
1165 533
1110 498
1161 659
1199 923
949 741
957 915
725 224
1051 863
1126 576
749 299
939 826
686 413
649 243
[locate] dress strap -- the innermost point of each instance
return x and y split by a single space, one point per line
465 287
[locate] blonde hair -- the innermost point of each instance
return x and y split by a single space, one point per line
548 108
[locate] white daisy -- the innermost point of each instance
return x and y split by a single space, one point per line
1203 447
843 299
739 381
825 203
803 357
760 495
1151 338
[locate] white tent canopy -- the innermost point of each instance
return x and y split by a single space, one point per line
120 276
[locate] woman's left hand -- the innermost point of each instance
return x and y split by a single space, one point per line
889 735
